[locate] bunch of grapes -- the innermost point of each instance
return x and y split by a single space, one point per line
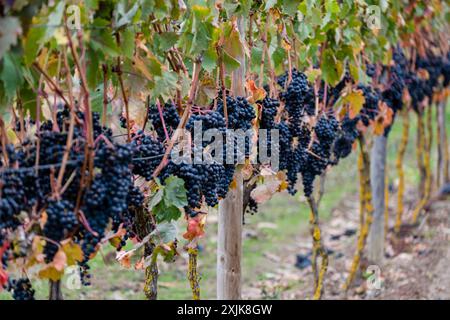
298 99
61 222
21 289
240 113
170 116
147 154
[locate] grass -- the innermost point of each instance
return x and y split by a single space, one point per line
286 217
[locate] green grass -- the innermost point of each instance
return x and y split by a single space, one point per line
289 216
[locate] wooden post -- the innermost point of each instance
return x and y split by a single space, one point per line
377 178
229 240
442 171
55 292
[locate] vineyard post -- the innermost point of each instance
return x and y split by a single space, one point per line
377 178
229 240
55 292
442 173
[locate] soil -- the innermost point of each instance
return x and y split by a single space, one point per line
415 265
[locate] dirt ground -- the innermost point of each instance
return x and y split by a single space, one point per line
415 265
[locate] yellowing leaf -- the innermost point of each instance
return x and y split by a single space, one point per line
313 74
50 272
355 101
140 65
73 252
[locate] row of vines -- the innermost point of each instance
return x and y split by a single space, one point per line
94 94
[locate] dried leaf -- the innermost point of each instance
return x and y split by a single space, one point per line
257 93
195 228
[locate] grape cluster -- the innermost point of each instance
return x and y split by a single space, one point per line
21 289
298 99
240 113
204 181
148 153
61 222
170 116
269 111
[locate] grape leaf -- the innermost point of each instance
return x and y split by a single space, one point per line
174 192
54 20
196 227
103 42
10 30
165 232
51 273
355 100
164 212
73 252
11 74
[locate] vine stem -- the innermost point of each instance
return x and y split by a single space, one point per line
4 141
105 93
184 118
364 231
318 250
420 141
428 141
122 89
71 124
222 82
401 174
87 103
50 81
193 276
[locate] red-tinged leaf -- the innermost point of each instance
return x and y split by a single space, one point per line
124 258
3 278
139 265
257 93
195 228
43 219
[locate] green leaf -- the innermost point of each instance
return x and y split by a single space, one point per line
332 6
290 7
166 85
270 4
33 42
54 20
104 42
93 72
174 192
11 74
165 212
210 60
165 232
96 98
156 199
127 43
10 29
329 67
168 40
230 63
28 97
123 17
